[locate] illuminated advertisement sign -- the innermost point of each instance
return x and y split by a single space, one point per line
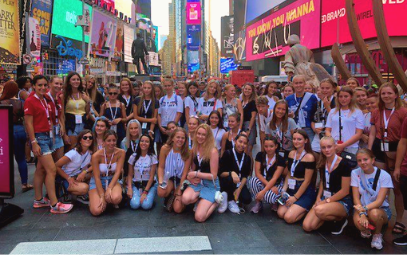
64 18
193 61
268 37
6 156
128 41
103 34
109 4
41 11
193 37
227 65
227 36
193 13
334 16
256 8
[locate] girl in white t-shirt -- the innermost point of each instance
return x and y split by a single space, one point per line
74 167
370 186
191 101
346 122
210 102
141 184
216 125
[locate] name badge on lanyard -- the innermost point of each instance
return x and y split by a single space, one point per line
385 141
239 164
328 171
45 106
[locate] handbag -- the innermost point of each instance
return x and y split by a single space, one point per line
349 157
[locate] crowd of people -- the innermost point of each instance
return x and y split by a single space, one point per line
328 153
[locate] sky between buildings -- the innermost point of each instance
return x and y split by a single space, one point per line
159 13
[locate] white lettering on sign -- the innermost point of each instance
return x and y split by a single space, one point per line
393 1
71 17
333 15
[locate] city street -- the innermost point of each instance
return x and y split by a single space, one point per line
227 233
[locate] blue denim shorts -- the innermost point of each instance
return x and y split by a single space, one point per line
307 200
347 203
45 142
387 210
206 189
78 129
104 179
59 142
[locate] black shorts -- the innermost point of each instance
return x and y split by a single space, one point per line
403 189
377 149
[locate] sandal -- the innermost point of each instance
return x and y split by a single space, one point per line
399 228
26 187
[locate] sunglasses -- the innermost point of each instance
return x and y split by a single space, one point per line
113 93
87 138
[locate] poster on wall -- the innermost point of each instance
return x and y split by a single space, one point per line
334 16
103 36
41 11
109 4
268 37
119 44
227 36
9 33
6 164
193 13
128 41
34 40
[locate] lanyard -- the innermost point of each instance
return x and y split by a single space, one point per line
133 146
269 164
189 142
109 165
45 108
296 162
195 102
329 170
386 121
322 104
84 159
127 100
56 109
233 138
239 164
146 108
199 161
215 135
279 131
111 111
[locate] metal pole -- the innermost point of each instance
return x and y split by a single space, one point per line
83 39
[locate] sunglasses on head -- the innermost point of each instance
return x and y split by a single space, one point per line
87 138
113 93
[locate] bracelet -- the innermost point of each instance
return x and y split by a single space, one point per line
145 192
365 208
295 197
362 213
34 141
150 131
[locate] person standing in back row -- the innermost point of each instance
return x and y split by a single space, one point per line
302 106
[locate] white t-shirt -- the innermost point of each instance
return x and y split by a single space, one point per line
218 134
272 103
350 122
265 120
383 182
192 105
206 107
169 107
77 162
142 168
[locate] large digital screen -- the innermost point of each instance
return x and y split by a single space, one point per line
268 36
256 8
334 16
193 37
227 65
227 36
193 61
103 34
193 13
41 10
64 18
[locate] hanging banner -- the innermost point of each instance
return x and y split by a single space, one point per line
268 37
118 48
9 33
34 40
128 41
103 36
41 11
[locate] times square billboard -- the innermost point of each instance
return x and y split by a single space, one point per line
227 36
193 9
267 37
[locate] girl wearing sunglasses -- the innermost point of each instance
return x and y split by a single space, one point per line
115 112
74 167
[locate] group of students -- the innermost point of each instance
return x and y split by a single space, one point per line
101 149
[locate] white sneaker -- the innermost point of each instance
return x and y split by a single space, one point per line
233 207
224 205
377 241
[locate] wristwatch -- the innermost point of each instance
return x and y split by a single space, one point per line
150 131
